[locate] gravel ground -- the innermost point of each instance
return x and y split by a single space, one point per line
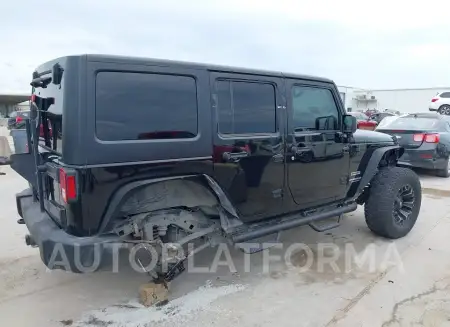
407 285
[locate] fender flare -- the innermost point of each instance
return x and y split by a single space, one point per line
120 196
371 169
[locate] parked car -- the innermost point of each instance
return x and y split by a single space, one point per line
392 111
16 119
232 171
370 112
363 121
425 138
441 103
378 117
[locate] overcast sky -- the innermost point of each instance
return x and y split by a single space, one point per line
369 44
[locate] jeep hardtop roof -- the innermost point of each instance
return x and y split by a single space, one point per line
185 64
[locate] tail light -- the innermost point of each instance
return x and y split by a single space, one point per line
18 119
432 138
434 99
428 138
68 185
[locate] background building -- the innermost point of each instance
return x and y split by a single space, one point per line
12 102
403 100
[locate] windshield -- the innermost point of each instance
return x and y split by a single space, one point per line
409 123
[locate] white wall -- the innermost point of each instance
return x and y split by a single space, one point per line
403 100
23 106
407 100
348 93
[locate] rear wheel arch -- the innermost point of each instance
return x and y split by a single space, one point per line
164 193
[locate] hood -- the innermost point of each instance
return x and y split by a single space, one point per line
365 136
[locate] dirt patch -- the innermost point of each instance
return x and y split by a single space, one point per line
312 266
67 322
94 321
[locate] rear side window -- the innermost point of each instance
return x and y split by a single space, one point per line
139 106
246 107
445 95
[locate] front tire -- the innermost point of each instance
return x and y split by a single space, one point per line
393 205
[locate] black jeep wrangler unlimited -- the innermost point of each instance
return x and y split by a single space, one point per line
128 149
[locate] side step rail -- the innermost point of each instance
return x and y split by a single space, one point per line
323 228
260 229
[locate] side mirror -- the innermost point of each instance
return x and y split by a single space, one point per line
350 124
326 123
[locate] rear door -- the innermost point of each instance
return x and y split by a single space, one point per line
249 142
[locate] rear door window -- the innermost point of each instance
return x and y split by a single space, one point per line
445 95
246 107
145 106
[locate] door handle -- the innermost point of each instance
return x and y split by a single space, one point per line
234 156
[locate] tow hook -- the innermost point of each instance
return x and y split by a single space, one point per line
30 241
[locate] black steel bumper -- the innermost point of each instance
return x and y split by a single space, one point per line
58 249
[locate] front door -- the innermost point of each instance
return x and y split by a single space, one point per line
249 142
317 157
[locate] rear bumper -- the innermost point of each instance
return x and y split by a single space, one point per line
412 158
433 106
58 249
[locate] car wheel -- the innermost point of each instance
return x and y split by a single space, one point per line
444 172
444 110
393 205
307 157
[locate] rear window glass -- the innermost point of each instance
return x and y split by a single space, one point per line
138 106
409 123
51 94
246 107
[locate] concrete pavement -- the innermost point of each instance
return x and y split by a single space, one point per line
407 284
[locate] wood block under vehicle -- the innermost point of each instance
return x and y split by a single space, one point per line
153 294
